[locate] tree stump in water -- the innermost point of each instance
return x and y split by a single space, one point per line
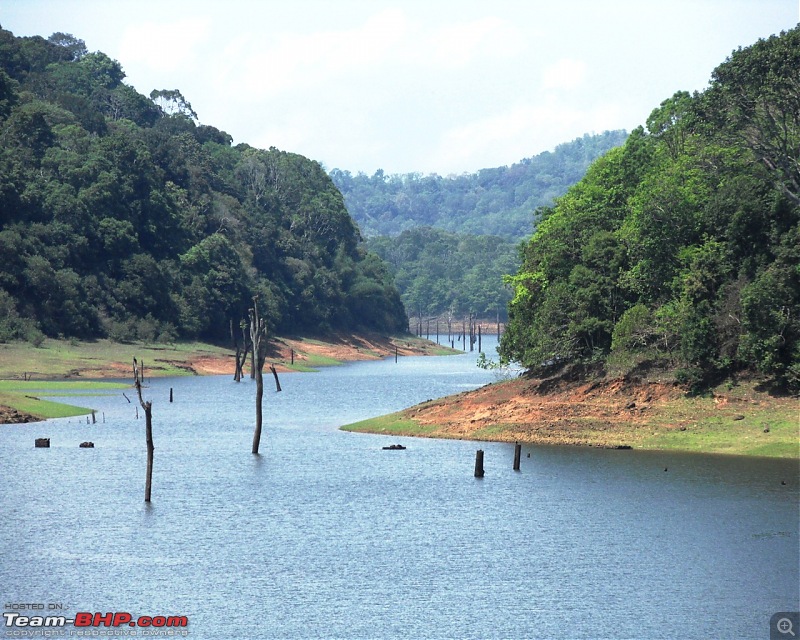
479 463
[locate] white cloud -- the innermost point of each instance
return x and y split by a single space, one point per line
564 74
456 45
302 60
520 132
163 46
444 86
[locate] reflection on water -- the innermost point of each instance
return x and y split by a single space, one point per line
327 535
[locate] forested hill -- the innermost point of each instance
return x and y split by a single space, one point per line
440 273
682 247
498 201
122 216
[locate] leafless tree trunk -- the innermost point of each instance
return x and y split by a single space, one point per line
241 350
253 350
148 418
277 382
236 375
258 336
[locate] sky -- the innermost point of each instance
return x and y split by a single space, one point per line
431 86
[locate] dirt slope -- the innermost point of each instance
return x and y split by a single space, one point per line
621 412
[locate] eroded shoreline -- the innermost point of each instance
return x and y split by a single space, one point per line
607 413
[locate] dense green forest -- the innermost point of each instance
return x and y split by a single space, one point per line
682 247
498 201
122 216
458 235
439 272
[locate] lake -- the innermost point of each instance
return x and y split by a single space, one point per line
327 535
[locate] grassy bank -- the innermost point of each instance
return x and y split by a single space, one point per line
62 359
23 367
99 359
737 420
23 396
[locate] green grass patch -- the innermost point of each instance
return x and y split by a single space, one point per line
309 362
438 350
59 386
492 432
722 434
313 360
22 395
40 408
425 346
61 358
393 423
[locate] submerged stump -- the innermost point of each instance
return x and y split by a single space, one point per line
479 463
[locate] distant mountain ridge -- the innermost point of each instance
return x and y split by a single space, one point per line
497 201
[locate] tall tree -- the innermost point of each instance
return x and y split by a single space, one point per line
172 102
75 46
758 91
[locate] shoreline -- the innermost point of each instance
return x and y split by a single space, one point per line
57 363
607 413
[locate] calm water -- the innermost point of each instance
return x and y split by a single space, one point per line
325 535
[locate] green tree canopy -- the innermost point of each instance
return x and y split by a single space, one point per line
127 218
499 201
682 245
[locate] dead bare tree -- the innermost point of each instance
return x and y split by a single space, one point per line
258 337
252 348
275 374
148 419
241 350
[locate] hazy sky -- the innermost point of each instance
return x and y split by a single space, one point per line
442 86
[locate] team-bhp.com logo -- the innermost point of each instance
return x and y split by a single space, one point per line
88 624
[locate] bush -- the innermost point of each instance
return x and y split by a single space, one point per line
690 377
31 333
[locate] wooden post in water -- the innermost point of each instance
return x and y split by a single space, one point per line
479 463
395 353
479 338
170 394
517 455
